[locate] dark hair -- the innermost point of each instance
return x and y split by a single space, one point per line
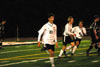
51 14
81 21
96 16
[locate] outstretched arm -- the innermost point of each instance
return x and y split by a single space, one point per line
40 34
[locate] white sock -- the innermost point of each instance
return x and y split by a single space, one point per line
52 61
61 52
68 47
74 49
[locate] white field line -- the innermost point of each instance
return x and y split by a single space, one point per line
22 62
9 64
17 51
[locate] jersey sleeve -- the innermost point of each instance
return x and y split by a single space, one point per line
67 30
93 26
84 31
41 31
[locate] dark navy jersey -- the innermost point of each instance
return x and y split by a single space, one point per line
93 26
98 32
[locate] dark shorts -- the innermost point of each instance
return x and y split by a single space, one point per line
77 39
98 34
93 39
52 47
66 40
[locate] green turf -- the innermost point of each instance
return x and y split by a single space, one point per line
31 56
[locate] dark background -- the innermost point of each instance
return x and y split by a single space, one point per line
30 15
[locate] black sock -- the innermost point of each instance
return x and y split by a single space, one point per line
96 47
90 48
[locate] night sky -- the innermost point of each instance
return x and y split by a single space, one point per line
30 15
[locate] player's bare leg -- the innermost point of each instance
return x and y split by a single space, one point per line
70 48
51 57
72 44
75 47
62 51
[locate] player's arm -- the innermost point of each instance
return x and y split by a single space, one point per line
84 31
68 31
95 33
39 37
56 37
40 32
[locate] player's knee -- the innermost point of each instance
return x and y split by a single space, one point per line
64 47
77 44
52 54
72 44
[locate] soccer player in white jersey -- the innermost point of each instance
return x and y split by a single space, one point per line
67 36
80 31
49 38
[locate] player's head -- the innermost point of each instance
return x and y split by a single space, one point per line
70 19
81 23
51 17
96 18
3 22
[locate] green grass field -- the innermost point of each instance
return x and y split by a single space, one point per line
31 56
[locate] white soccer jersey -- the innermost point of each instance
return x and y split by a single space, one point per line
79 31
68 29
49 32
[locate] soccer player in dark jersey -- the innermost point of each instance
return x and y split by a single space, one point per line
2 32
93 34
